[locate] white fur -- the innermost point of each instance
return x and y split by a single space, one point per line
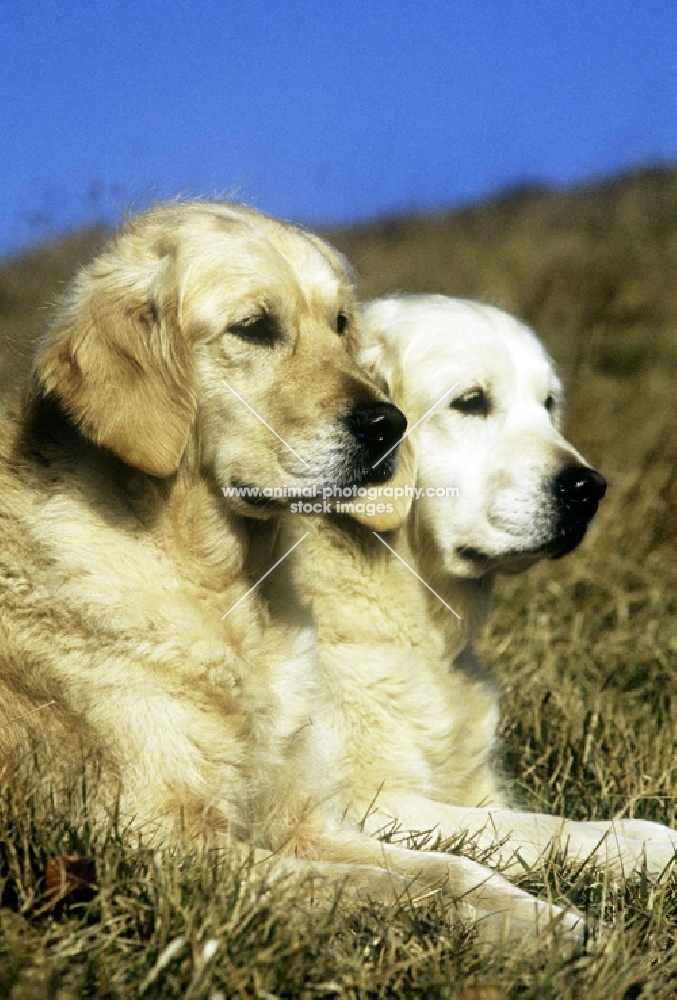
412 713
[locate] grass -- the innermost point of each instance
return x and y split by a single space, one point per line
584 649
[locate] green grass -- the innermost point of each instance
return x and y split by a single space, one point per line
584 650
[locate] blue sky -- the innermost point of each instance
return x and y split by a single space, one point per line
323 111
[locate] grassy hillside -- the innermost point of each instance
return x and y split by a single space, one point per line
584 648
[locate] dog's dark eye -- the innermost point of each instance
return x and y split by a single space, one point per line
341 323
475 403
550 403
261 329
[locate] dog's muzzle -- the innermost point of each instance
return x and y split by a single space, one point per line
577 491
376 429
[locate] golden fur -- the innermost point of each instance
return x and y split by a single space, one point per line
120 554
210 347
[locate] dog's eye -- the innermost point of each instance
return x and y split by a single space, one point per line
341 323
550 403
261 329
475 403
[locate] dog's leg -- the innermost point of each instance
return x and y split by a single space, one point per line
523 839
638 829
475 890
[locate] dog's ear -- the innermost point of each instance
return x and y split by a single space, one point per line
118 362
383 366
402 485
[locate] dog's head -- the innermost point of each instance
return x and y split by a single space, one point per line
501 486
212 333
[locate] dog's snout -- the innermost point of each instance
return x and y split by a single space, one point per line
377 428
580 489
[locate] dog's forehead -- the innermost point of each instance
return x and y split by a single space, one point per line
483 339
312 260
232 253
441 345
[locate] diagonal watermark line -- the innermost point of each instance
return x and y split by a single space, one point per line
411 570
48 704
265 424
413 428
267 573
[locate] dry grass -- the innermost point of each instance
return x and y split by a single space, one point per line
585 649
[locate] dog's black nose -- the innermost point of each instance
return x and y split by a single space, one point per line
377 428
577 490
580 489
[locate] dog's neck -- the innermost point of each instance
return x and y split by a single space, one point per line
184 514
457 605
366 586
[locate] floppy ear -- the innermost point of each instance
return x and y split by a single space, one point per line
402 485
383 368
118 362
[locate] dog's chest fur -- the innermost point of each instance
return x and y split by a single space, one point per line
401 715
114 589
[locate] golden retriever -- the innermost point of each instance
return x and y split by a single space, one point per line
203 356
413 714
208 345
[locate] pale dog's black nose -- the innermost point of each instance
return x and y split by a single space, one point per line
377 428
577 491
580 489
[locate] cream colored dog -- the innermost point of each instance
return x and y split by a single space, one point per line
207 346
413 714
206 351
